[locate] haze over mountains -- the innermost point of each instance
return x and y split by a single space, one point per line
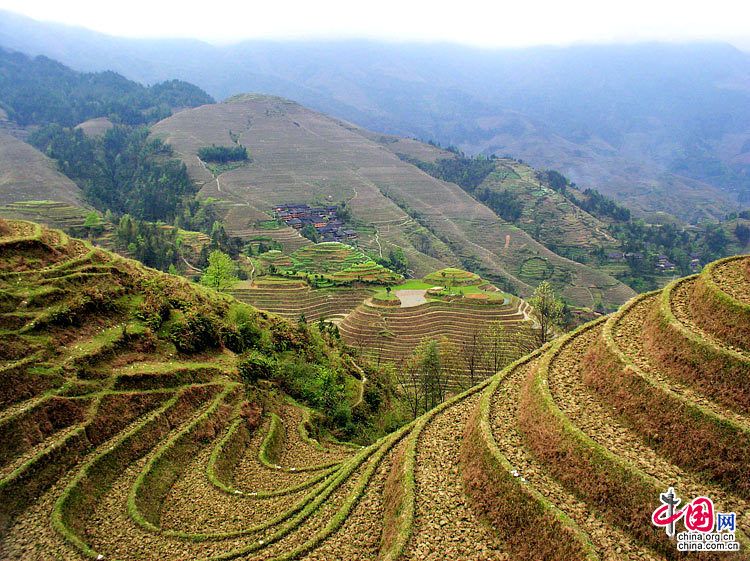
662 127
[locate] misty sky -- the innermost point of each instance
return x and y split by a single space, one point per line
489 24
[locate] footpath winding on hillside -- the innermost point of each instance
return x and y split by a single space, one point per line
106 454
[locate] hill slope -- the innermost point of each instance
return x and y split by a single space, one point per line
302 156
28 175
109 453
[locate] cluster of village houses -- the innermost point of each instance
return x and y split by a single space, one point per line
663 264
323 219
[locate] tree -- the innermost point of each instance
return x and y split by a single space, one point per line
410 386
451 362
310 233
93 224
502 346
471 355
397 260
743 233
220 271
547 311
431 373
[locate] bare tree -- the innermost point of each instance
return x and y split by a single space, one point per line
409 382
471 353
503 345
451 364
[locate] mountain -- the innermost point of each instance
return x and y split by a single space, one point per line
300 156
662 127
42 91
142 434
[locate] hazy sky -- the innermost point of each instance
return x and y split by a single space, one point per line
497 23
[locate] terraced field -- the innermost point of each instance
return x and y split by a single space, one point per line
54 214
563 224
390 333
110 448
28 175
291 299
338 263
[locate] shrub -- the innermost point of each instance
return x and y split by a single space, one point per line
255 366
194 333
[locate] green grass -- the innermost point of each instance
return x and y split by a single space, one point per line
218 169
453 277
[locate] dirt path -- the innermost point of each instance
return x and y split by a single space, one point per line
445 527
196 269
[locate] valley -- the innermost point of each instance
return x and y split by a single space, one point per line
249 329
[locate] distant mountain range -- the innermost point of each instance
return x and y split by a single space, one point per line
662 127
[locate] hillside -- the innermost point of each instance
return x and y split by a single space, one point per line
301 156
116 447
521 196
28 175
103 359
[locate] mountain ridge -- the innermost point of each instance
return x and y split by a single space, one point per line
619 118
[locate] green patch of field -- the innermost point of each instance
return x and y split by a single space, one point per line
269 225
411 284
536 268
453 277
218 169
385 296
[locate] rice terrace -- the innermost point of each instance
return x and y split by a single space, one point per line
280 294
116 444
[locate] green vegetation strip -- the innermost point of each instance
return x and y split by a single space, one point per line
97 476
168 463
708 366
528 523
341 515
167 375
272 445
621 491
718 446
319 496
228 452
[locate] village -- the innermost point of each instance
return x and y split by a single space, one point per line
662 263
324 220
